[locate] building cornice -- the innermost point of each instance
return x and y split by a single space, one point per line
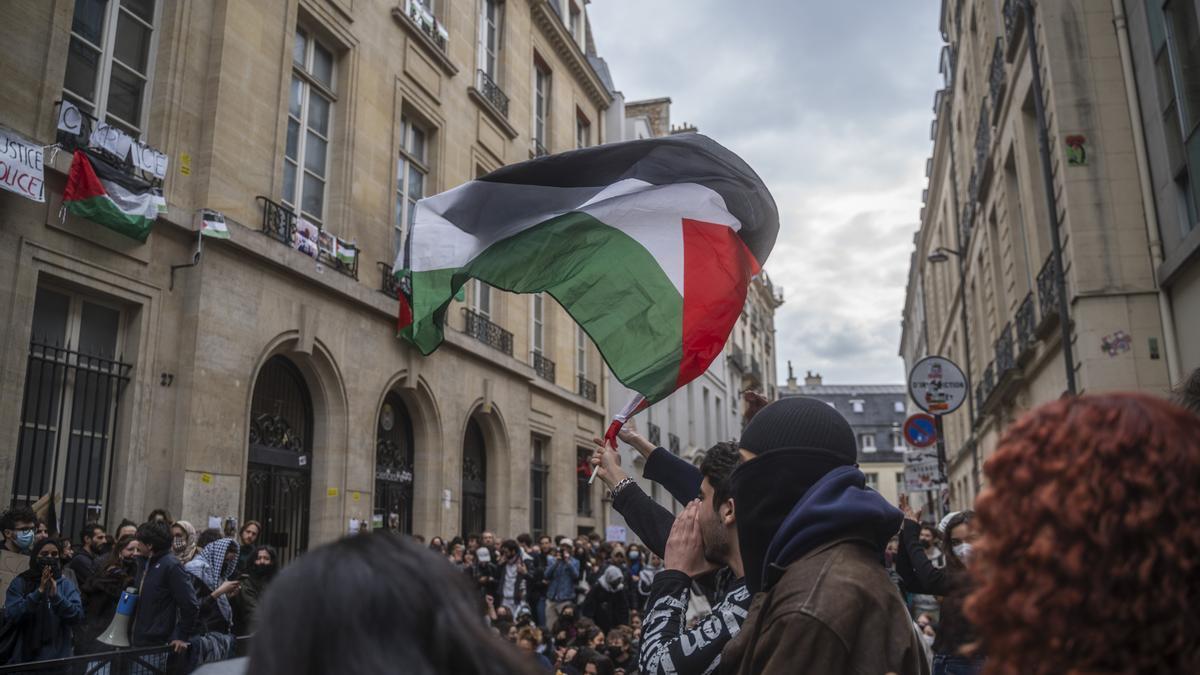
568 50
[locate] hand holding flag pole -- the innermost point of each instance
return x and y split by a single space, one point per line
635 405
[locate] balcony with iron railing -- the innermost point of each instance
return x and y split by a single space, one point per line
737 357
997 83
1047 288
543 366
654 434
1005 358
1014 21
539 150
587 388
492 93
673 444
281 224
1025 328
389 284
481 328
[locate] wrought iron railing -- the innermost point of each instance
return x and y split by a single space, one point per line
543 366
587 388
755 369
389 285
1025 325
428 24
1047 290
68 431
989 379
1014 20
967 222
1005 359
492 335
492 93
539 150
737 357
143 660
996 80
673 443
280 223
983 142
655 434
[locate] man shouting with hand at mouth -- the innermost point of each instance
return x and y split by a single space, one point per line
703 538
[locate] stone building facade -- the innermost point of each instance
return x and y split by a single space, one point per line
260 382
983 289
876 413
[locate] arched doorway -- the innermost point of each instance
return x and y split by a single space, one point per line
474 479
394 466
279 476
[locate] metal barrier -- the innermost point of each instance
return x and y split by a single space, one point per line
132 661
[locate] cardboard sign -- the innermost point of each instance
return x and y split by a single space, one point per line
615 533
21 169
112 139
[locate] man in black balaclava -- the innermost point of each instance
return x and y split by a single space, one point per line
812 537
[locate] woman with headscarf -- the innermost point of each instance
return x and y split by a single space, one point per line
43 605
183 541
263 566
607 603
645 577
212 638
102 591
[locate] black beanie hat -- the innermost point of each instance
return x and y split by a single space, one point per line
799 422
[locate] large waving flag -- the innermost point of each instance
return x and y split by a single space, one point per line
649 245
104 195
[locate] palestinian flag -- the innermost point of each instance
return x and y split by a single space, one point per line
212 224
104 194
649 245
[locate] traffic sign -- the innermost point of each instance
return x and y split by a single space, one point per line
920 430
937 385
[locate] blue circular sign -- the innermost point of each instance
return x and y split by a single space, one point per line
920 430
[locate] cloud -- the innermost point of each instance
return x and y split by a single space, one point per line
831 103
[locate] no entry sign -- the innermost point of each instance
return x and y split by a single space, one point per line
920 430
937 385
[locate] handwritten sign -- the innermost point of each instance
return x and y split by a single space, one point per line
21 168
112 139
70 119
149 160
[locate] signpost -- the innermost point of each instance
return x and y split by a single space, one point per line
937 385
920 430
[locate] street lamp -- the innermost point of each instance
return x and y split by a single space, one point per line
941 254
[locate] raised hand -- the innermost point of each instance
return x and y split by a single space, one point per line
907 510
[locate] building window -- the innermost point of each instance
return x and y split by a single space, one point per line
581 352
873 481
73 385
481 299
109 60
490 16
897 440
898 407
583 131
310 108
411 172
575 20
900 482
541 107
539 470
868 442
583 491
856 406
538 338
1175 39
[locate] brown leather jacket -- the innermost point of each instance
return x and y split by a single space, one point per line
833 611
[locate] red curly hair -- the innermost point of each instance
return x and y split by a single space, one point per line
1090 556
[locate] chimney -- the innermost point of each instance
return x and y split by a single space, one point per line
811 380
791 381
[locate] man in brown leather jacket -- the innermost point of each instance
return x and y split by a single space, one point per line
812 537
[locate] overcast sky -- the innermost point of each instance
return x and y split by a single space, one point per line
831 103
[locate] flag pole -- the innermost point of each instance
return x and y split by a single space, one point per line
610 437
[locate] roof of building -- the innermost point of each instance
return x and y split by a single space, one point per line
648 101
842 389
601 67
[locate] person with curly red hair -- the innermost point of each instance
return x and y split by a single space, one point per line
1089 559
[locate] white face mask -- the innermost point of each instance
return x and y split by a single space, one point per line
963 551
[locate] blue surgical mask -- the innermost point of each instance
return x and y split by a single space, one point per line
634 555
25 539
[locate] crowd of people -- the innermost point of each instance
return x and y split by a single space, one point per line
194 591
1080 556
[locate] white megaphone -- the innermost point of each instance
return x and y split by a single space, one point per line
117 634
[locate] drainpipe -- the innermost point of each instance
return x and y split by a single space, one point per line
1150 210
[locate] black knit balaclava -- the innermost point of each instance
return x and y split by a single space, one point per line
796 442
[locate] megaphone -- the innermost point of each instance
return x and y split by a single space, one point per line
117 634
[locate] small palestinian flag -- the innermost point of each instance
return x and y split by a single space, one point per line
105 195
650 246
346 253
212 224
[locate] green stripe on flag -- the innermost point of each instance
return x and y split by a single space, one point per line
103 210
637 321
